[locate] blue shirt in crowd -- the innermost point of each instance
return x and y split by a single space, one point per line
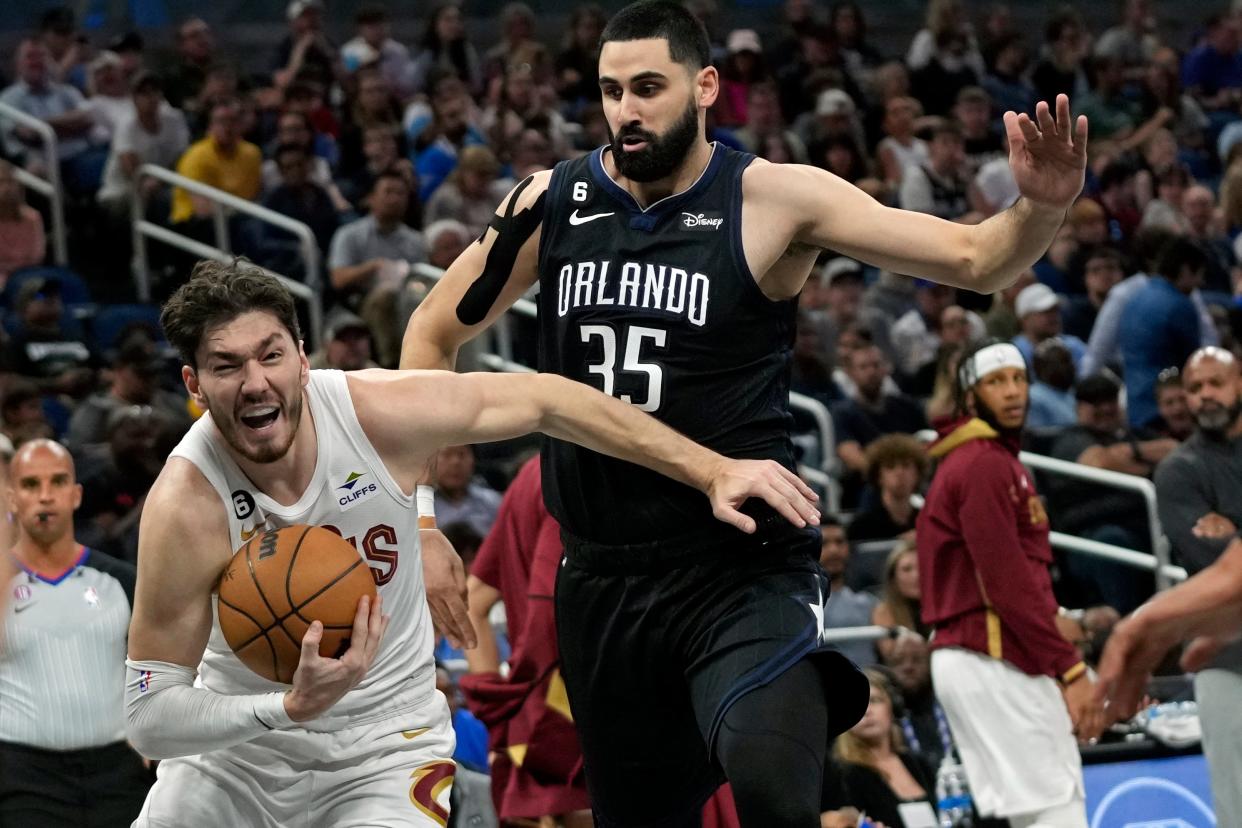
1211 70
1050 407
1159 329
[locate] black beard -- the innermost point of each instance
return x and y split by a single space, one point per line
662 155
984 413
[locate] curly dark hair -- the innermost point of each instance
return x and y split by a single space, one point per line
894 450
217 293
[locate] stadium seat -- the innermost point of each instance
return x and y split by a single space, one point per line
111 321
73 290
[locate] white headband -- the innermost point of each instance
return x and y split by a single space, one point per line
989 359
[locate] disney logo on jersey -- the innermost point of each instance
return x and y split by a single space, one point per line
354 491
701 221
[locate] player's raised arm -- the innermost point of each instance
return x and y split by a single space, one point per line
1048 156
488 277
480 408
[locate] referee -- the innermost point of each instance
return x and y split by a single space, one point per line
63 758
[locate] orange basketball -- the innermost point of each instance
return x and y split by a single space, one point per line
281 581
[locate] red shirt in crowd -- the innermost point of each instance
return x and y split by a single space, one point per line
984 555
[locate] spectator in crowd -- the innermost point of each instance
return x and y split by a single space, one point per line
1199 495
374 46
801 80
874 412
879 774
438 134
764 121
21 415
196 54
372 104
922 720
938 187
1165 210
223 159
1104 350
1052 389
1102 271
577 64
1060 72
1001 320
1039 316
900 148
1162 89
63 755
471 193
847 22
134 381
46 349
1117 195
220 84
901 602
743 67
1212 71
1087 227
109 103
517 33
1175 420
994 188
370 258
38 94
981 142
1101 439
896 464
1112 114
940 405
517 564
116 480
347 344
1199 208
1160 327
811 372
983 558
845 608
67 47
1006 80
22 242
836 115
293 128
944 57
918 334
833 302
519 105
445 49
458 496
1132 41
305 53
301 199
156 134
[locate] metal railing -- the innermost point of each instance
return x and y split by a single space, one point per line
308 290
50 187
829 464
1165 572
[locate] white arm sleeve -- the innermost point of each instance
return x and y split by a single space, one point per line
167 716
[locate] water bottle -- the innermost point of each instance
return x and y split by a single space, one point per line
952 795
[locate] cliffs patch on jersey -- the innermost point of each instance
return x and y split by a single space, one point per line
671 290
354 490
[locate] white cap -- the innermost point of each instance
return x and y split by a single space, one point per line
836 267
743 40
1035 298
295 9
834 102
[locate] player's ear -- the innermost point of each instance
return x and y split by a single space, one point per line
77 496
707 86
304 362
190 377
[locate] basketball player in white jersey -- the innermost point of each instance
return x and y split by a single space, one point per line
363 740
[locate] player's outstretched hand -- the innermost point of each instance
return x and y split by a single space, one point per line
1133 651
445 580
320 682
1048 156
736 481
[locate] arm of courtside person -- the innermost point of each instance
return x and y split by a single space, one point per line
1047 156
182 549
1209 604
484 658
485 280
479 408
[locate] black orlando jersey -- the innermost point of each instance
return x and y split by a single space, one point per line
658 307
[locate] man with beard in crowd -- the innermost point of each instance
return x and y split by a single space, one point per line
1199 493
680 298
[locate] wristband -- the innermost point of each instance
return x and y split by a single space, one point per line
1073 674
425 500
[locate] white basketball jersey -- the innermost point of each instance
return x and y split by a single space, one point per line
350 492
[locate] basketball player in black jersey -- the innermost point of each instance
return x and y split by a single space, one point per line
669 269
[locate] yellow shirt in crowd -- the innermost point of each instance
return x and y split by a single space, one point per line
239 172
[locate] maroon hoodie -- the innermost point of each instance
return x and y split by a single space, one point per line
984 555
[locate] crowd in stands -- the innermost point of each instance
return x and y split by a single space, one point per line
395 154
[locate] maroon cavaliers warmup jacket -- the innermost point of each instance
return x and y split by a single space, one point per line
984 555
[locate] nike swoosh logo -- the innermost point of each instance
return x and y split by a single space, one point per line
414 734
22 608
248 534
576 219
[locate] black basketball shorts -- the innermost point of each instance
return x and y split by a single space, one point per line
658 640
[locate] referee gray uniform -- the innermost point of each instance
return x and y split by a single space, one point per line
63 758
